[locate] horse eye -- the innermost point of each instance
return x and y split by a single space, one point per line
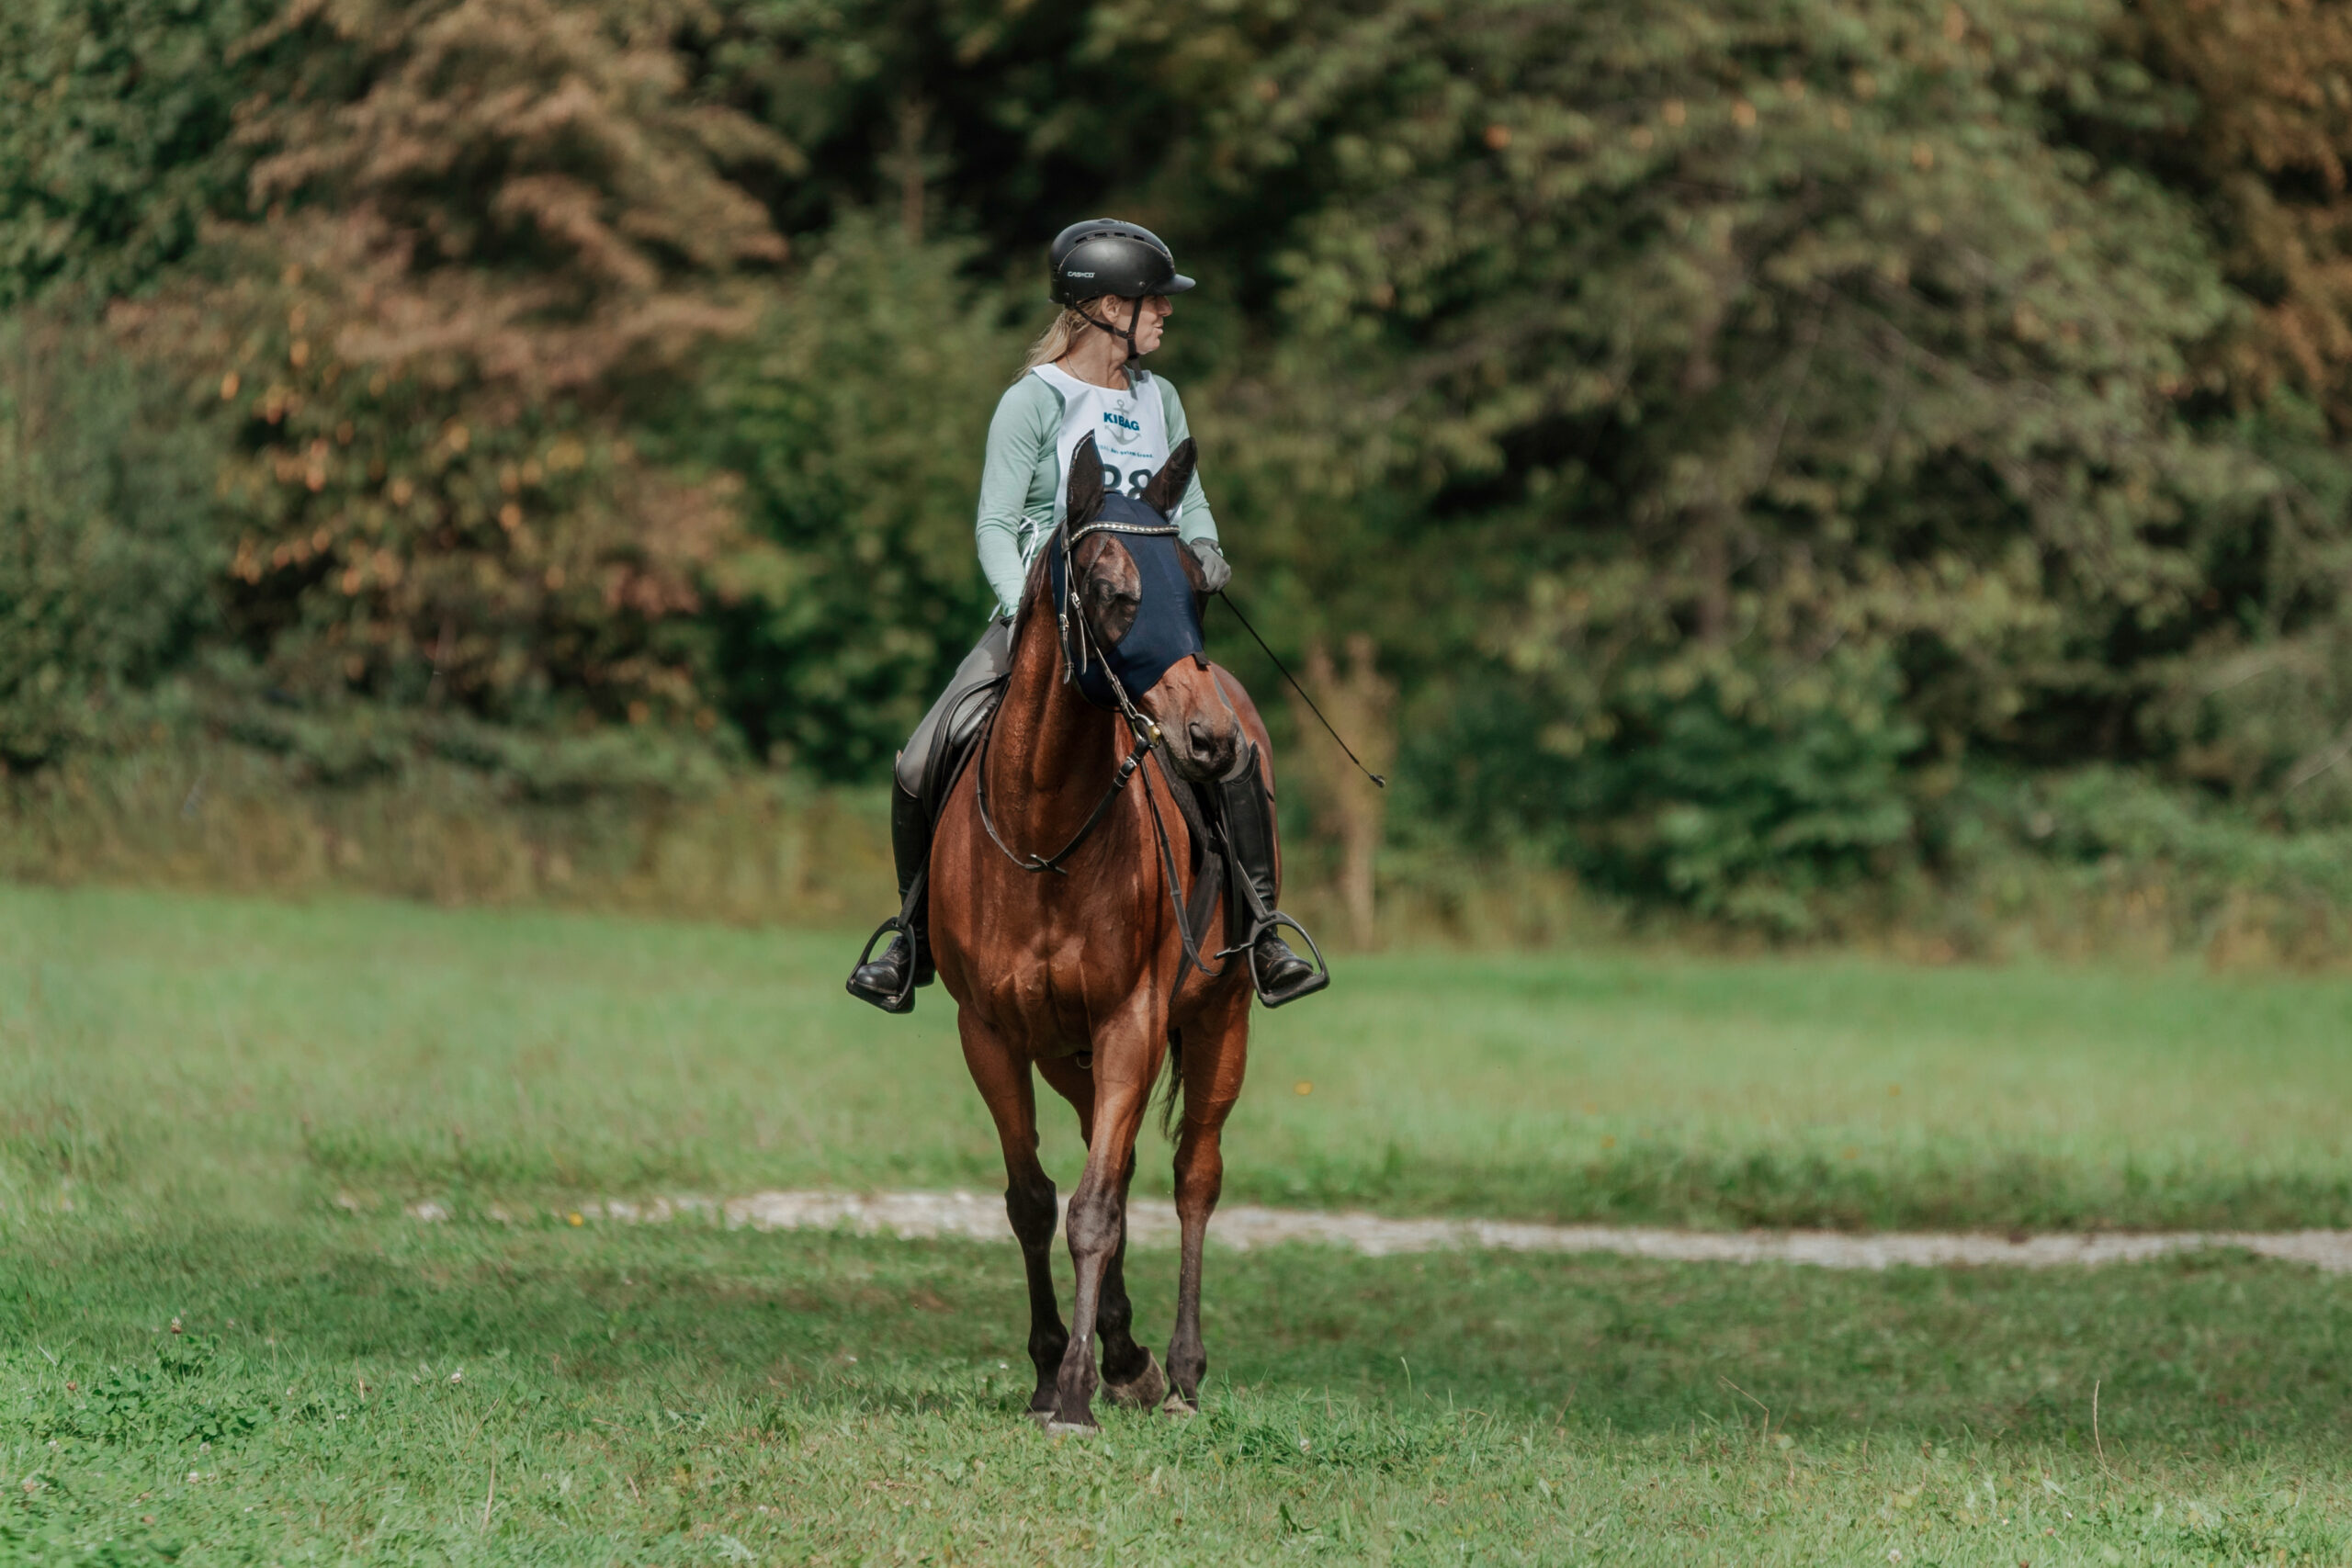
1115 611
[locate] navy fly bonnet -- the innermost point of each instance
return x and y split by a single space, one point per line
1168 623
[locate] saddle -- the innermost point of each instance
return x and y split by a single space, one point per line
953 743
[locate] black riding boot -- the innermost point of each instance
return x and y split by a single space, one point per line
1249 816
886 981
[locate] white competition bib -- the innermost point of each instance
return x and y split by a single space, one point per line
1130 432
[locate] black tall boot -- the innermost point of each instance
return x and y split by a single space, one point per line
1247 812
890 981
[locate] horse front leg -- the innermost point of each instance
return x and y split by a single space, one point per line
1123 1063
1004 1083
1131 1374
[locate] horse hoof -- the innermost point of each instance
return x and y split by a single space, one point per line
1072 1430
1143 1391
1177 1404
1041 1419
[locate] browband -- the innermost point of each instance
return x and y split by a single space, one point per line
1165 531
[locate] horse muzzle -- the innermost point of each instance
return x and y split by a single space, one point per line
1204 746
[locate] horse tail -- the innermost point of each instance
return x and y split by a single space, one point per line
1172 1093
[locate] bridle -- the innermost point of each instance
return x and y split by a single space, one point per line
1078 647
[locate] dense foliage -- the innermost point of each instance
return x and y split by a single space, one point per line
1744 428
855 415
1810 409
117 135
109 538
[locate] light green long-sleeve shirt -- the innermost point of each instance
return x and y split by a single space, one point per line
1018 480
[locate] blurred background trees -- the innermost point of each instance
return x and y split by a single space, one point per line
1756 451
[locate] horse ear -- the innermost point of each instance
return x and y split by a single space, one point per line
1168 486
1085 484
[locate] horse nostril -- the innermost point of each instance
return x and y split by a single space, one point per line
1212 746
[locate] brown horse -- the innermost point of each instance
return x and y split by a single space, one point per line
1084 974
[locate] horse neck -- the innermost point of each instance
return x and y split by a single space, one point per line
1053 752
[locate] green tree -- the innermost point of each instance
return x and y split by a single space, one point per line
110 537
2250 120
956 116
116 135
501 233
857 418
1782 362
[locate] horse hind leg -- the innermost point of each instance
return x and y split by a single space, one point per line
1200 1176
1212 1070
1004 1083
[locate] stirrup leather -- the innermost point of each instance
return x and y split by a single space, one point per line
1246 817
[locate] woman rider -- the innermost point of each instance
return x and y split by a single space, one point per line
1112 281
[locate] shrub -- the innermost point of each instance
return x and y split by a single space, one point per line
858 418
1743 802
109 535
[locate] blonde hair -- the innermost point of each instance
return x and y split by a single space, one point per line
1055 341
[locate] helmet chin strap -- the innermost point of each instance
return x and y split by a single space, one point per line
1135 319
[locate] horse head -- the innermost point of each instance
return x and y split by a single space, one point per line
1137 627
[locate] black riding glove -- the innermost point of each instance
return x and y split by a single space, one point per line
1215 571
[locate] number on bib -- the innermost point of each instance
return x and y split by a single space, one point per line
1135 479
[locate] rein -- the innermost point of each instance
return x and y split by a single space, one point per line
1148 742
1053 863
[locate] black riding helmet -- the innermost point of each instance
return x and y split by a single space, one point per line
1105 256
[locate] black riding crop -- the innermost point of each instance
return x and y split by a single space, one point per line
1376 778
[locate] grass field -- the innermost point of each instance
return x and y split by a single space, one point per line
256 1052
211 1113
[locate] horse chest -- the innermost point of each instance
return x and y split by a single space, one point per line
1056 991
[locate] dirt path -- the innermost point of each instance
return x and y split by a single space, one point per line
981 1217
